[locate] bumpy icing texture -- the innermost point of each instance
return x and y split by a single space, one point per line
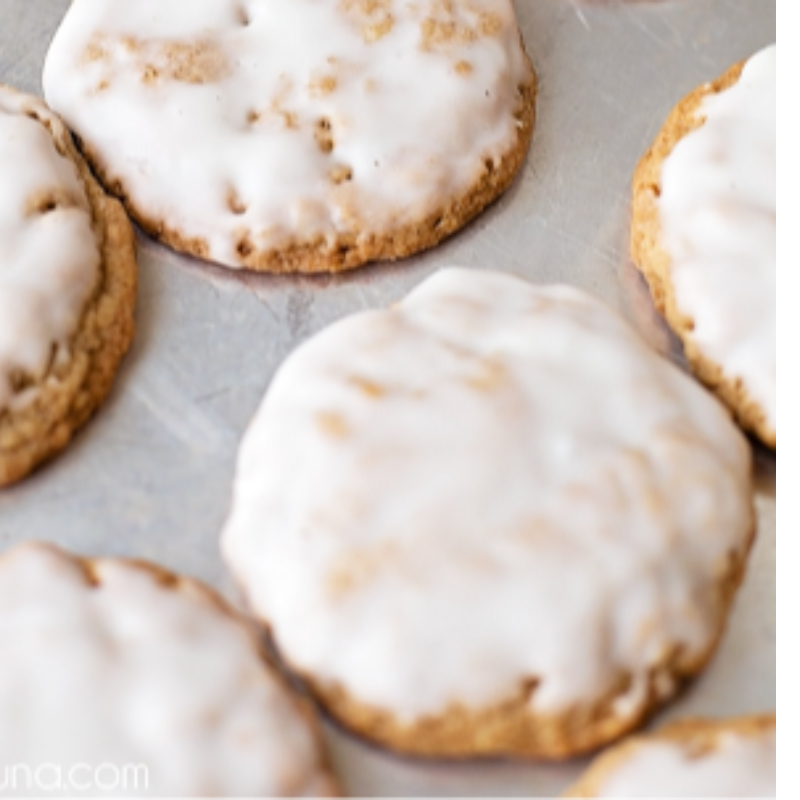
487 486
49 258
738 765
247 125
107 662
717 208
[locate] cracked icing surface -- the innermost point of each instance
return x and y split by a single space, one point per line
297 134
112 662
488 487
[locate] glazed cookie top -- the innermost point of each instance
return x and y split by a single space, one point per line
487 486
110 662
700 760
718 217
291 120
49 256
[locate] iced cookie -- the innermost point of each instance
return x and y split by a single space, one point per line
119 663
67 286
297 135
490 520
694 758
703 234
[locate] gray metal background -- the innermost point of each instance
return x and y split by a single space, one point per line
150 477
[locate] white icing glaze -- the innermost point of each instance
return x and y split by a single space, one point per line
717 209
738 766
488 483
410 120
49 260
135 673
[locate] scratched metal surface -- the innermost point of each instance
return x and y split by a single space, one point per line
150 477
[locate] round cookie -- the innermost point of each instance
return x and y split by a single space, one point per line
132 673
703 234
67 287
691 758
490 520
297 135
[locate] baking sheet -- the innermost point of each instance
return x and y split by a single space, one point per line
150 477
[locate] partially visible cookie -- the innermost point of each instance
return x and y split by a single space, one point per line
120 664
67 286
692 758
297 135
490 520
703 234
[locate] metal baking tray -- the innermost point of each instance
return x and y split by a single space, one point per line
150 477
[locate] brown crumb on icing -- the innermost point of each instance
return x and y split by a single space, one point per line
49 200
289 119
235 203
489 377
436 32
319 87
195 62
463 68
323 134
443 29
341 174
373 17
368 387
359 567
377 30
244 246
333 425
489 24
95 51
202 62
150 75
